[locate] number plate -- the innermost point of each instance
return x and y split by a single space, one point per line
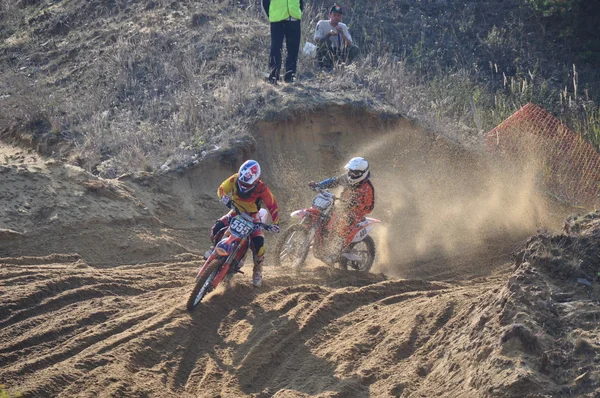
322 202
240 227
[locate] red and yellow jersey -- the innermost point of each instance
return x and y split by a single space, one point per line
251 202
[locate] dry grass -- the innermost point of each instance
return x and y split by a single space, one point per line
151 85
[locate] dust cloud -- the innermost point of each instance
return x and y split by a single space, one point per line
436 200
440 203
446 213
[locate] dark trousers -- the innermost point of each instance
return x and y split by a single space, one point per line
328 56
291 31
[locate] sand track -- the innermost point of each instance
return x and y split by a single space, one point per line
95 273
73 329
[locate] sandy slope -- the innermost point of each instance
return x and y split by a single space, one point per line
51 207
72 330
75 330
450 317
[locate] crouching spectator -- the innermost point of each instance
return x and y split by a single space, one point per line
333 40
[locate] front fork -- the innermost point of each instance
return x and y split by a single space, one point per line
322 235
315 235
225 268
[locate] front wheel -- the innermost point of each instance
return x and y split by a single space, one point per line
203 284
364 254
292 247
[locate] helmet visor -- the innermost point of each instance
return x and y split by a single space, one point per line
245 184
355 173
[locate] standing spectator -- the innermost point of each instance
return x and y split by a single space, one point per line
285 16
334 43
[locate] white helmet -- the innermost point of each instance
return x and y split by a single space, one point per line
358 170
248 176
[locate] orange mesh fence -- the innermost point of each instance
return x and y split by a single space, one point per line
570 165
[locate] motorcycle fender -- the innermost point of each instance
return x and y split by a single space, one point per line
225 246
304 212
298 214
365 227
362 233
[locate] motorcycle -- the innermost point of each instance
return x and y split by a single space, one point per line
296 241
226 259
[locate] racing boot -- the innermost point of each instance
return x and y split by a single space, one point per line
257 271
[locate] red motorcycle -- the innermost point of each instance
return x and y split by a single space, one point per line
312 231
226 258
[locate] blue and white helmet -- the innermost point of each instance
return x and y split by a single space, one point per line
248 176
358 170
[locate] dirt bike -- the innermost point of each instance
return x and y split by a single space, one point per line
293 246
226 259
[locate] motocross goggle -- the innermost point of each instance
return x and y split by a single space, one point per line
355 173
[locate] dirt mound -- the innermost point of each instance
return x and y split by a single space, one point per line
95 272
438 201
106 317
536 335
73 330
49 207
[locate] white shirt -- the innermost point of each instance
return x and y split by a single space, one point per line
324 27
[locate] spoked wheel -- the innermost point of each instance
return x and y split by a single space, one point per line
203 285
292 248
364 252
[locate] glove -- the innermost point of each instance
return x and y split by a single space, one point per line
313 185
274 228
226 200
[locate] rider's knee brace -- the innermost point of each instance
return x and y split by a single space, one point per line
216 229
258 252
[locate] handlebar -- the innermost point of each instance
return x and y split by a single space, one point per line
266 227
238 211
325 191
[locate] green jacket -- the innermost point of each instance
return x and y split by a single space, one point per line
279 10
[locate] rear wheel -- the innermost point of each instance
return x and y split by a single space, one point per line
203 284
365 250
292 248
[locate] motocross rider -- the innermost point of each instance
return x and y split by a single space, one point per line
357 199
248 192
